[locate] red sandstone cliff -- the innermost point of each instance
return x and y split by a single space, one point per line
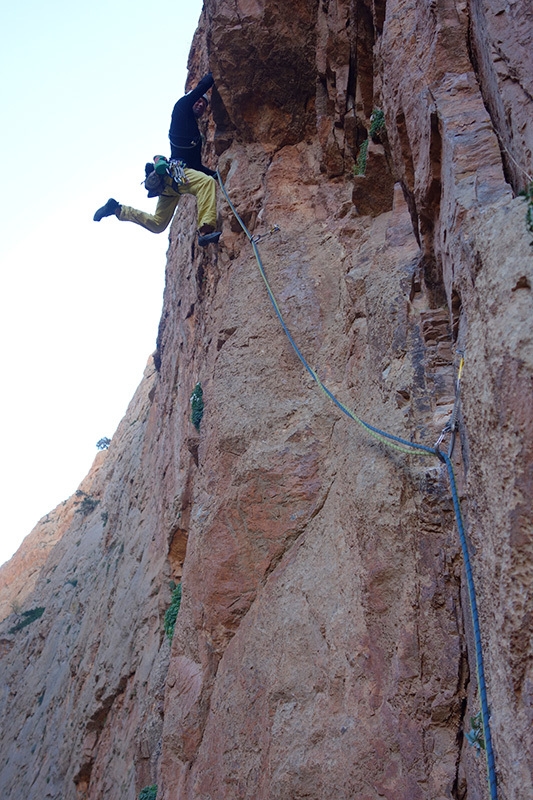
323 648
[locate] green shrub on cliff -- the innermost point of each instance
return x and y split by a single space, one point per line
87 505
360 164
27 618
475 734
197 406
148 793
377 123
172 612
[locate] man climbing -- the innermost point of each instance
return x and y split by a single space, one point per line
187 176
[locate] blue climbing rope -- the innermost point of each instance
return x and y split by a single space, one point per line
482 686
411 448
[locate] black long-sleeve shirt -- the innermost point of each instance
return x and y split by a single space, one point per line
184 135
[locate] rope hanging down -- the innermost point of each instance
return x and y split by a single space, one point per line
410 448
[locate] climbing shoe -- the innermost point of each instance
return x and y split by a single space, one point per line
107 210
209 238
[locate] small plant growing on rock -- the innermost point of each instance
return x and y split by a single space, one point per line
87 505
148 793
197 406
172 612
475 734
360 164
27 618
377 123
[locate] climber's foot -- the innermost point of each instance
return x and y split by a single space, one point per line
106 211
208 238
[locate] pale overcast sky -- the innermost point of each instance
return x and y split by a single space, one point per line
86 96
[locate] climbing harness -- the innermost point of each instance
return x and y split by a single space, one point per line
190 146
410 448
158 171
176 171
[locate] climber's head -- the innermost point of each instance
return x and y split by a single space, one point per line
199 108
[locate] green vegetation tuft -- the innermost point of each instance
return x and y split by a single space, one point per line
148 793
360 164
475 734
27 618
197 406
87 505
377 123
172 612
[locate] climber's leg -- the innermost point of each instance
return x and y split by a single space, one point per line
157 222
203 187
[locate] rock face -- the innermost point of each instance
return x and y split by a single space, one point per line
324 645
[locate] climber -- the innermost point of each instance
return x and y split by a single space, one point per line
194 178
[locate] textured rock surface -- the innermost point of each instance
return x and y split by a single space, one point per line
70 706
502 50
323 647
19 576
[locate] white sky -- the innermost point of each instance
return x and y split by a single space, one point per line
85 100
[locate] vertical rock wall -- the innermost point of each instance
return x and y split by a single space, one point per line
82 684
323 647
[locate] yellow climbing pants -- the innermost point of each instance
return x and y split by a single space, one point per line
202 186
